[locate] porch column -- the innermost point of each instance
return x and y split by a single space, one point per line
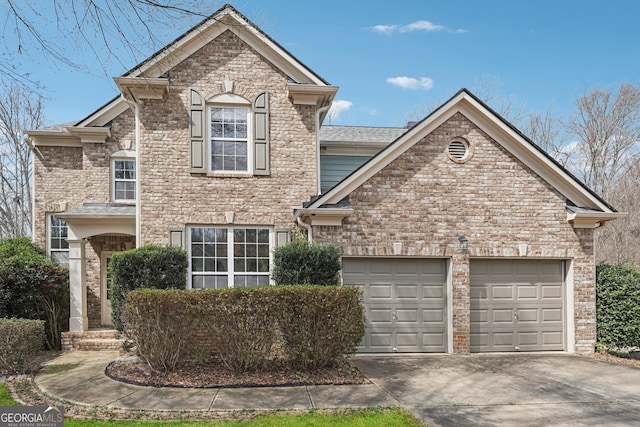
78 320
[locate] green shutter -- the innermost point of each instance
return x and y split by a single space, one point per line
261 135
197 132
176 238
282 237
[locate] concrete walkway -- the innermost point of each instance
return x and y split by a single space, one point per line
79 377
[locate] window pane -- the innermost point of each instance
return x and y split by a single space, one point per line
238 235
221 250
252 265
263 235
221 265
238 250
221 235
197 264
209 250
263 265
196 250
216 130
241 131
217 147
251 236
217 163
197 282
209 264
251 250
263 250
216 114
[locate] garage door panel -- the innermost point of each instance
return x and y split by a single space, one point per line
380 292
405 303
501 316
528 318
501 292
527 292
551 291
407 291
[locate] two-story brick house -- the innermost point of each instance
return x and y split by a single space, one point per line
462 234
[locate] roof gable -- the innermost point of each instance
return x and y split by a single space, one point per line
497 128
226 18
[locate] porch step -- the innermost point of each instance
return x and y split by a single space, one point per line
103 339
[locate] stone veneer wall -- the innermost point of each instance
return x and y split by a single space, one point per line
425 201
172 197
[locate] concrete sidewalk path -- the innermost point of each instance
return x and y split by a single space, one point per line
78 377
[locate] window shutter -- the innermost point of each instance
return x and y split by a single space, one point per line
261 135
197 132
176 238
282 237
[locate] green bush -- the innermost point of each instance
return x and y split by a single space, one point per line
33 287
161 324
618 306
147 267
304 263
319 325
21 342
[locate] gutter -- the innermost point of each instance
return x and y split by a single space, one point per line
319 111
136 110
306 226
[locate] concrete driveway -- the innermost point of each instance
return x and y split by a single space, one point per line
509 390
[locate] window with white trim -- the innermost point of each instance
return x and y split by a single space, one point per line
57 241
124 179
226 257
229 139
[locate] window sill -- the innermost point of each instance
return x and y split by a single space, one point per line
229 174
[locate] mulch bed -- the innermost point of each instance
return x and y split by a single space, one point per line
212 373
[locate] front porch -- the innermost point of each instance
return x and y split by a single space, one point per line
95 232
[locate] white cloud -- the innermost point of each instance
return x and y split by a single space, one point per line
337 107
424 83
385 29
422 25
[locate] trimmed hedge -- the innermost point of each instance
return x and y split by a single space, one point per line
304 263
618 306
319 325
304 327
148 267
161 323
21 342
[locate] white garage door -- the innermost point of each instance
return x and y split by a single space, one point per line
405 303
516 305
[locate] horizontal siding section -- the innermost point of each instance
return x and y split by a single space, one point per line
334 169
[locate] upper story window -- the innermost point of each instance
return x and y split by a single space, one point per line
229 134
229 139
123 166
57 241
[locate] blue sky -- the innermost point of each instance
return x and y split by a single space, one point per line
394 60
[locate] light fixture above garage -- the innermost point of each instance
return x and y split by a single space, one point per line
464 243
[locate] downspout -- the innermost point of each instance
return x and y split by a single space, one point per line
319 111
136 111
307 227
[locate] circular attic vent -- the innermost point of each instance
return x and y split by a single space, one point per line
458 150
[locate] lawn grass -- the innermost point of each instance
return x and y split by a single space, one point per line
345 418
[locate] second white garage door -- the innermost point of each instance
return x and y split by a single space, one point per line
405 303
516 305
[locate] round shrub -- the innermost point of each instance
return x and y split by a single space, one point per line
304 263
148 267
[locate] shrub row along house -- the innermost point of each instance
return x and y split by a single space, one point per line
463 235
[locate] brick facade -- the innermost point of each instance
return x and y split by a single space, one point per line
172 197
425 201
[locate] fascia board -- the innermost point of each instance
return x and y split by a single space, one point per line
105 114
53 139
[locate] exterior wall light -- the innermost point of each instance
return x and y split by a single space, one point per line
464 243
